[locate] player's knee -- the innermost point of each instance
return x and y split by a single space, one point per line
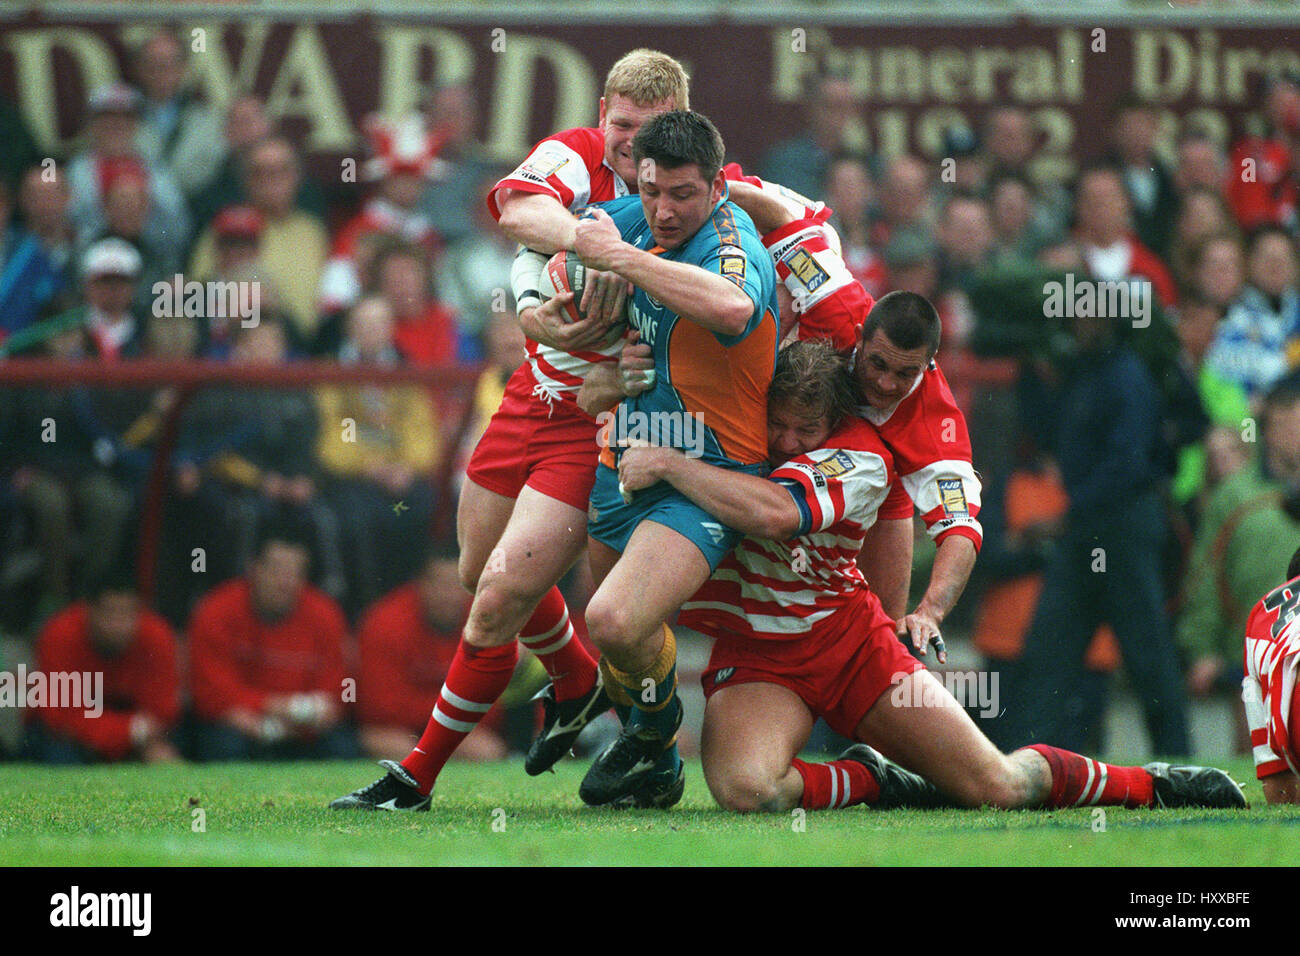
997 784
470 567
747 792
493 616
610 626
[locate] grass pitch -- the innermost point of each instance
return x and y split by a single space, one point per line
275 814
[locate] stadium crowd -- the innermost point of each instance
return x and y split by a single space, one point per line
312 509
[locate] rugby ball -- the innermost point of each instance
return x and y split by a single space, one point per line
565 272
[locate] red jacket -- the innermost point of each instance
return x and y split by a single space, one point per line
237 660
144 679
403 664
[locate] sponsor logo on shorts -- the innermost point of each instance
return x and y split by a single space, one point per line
723 674
952 496
715 531
593 515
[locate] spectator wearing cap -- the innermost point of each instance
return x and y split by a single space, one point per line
65 443
105 326
294 244
1272 193
29 275
1147 177
127 208
177 130
133 651
405 157
114 120
237 242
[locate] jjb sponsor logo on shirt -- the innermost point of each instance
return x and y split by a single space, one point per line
952 496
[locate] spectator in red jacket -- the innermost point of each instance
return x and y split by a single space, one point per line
408 639
113 641
1104 229
267 661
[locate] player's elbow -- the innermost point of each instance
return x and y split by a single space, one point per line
735 315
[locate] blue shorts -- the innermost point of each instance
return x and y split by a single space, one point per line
611 520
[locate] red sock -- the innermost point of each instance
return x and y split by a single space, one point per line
1081 781
476 678
839 783
549 635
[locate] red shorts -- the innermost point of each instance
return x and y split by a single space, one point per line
528 443
839 669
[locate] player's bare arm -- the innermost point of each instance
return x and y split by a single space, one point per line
540 222
537 221
695 294
953 562
750 504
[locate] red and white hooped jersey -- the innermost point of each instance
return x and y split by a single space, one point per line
1272 657
778 590
927 434
570 166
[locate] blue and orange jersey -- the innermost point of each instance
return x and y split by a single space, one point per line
720 381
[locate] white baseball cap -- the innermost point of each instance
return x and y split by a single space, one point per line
111 257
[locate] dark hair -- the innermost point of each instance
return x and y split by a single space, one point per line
811 375
117 579
1293 569
1284 392
283 528
908 320
677 138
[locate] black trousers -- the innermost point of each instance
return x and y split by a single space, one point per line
1107 568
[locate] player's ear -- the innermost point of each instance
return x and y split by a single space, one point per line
601 122
719 186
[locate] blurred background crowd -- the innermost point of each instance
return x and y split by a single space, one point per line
297 551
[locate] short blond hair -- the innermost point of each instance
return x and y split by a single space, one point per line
647 77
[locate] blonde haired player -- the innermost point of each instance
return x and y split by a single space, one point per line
522 518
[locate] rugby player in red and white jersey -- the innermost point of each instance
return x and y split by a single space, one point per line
522 517
902 392
1268 689
799 635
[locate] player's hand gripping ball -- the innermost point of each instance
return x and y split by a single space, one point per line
565 272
